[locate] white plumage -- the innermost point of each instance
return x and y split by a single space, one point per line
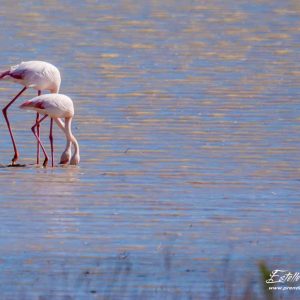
39 75
56 106
53 105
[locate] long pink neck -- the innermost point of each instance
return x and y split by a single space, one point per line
66 128
70 137
4 74
66 155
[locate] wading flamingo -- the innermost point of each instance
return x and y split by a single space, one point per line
39 75
55 106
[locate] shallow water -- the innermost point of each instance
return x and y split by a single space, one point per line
187 115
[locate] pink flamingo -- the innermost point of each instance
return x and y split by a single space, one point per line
55 106
39 75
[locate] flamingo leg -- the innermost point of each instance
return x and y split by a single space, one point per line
38 139
38 134
4 111
51 140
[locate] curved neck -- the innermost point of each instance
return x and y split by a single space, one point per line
70 137
65 158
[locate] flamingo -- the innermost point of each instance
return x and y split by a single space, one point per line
39 75
55 106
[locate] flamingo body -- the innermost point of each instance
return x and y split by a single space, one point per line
53 105
39 75
56 106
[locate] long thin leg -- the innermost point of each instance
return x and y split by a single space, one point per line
51 141
4 111
38 139
38 134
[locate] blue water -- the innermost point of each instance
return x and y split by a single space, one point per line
187 116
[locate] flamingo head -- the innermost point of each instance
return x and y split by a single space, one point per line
65 157
75 159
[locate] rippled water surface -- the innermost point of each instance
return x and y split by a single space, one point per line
188 119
